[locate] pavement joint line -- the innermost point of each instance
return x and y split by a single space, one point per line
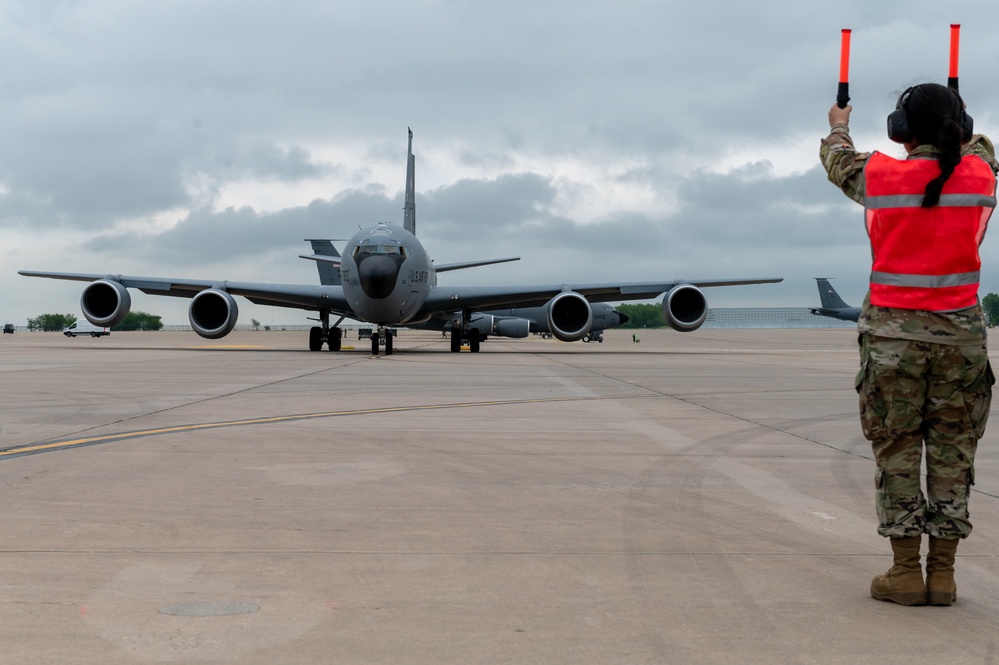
36 448
644 553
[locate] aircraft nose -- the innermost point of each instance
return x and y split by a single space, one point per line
621 318
378 276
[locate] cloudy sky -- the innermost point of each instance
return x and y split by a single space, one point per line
625 140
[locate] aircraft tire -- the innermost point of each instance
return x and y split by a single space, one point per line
336 339
388 342
473 340
315 338
374 344
455 341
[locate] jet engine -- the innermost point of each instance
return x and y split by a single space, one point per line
213 313
483 323
501 326
105 303
685 308
512 327
569 316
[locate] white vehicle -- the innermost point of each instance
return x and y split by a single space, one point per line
84 327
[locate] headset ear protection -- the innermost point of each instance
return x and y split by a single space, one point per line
898 123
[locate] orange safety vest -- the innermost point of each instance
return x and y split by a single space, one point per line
926 258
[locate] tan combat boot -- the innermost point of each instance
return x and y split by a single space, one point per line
940 586
903 583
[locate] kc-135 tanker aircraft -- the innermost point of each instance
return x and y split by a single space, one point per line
509 320
388 279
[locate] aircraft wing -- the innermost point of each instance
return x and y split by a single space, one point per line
441 299
445 267
302 296
449 299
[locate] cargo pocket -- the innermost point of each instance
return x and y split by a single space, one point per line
982 401
882 500
873 409
859 379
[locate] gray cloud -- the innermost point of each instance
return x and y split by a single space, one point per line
116 113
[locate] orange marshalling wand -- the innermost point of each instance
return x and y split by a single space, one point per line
955 47
843 93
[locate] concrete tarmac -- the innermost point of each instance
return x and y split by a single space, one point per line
690 498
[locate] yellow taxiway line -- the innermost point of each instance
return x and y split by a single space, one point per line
106 438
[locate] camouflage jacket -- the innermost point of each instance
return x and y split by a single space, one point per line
845 167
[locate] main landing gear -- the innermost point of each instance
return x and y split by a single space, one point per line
319 335
333 335
474 339
461 331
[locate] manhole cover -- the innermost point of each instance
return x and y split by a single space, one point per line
209 608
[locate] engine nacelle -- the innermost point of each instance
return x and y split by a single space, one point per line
213 313
512 327
483 323
500 326
569 316
105 303
685 308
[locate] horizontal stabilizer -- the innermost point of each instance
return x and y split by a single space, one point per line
324 246
335 260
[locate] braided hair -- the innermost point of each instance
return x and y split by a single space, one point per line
934 113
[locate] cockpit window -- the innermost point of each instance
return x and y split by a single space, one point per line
384 250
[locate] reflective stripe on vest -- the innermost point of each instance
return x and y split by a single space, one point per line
926 281
926 258
916 201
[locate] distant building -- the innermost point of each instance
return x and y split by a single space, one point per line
770 317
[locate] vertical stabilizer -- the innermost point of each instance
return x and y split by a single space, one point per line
409 215
329 272
827 294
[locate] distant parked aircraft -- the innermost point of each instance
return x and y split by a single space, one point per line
832 305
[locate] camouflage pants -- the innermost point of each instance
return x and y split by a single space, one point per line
916 393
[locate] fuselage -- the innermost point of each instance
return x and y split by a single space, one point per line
842 313
386 274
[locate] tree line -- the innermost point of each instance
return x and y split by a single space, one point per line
58 322
990 303
642 316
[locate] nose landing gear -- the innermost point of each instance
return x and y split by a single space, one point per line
382 334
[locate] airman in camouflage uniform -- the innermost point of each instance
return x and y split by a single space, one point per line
924 377
899 409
